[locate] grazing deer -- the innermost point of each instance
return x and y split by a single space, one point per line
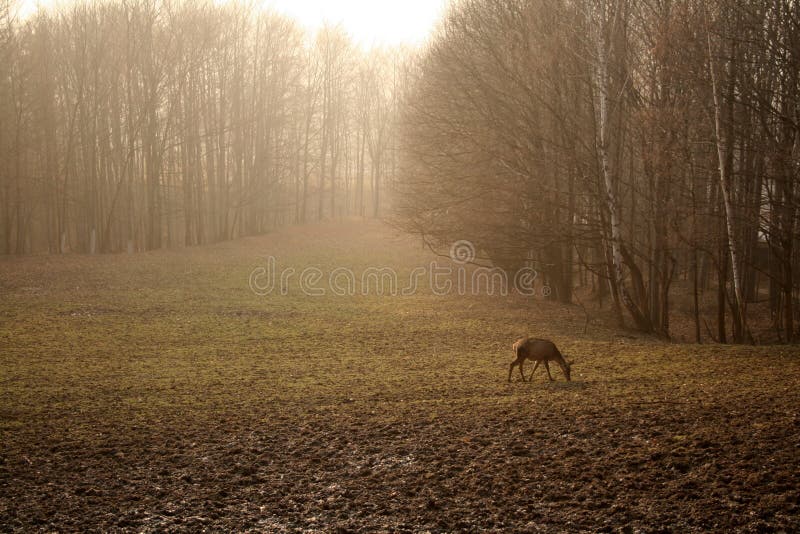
540 351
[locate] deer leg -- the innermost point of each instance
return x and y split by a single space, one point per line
547 366
534 370
520 369
510 369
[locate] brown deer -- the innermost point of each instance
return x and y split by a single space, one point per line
540 351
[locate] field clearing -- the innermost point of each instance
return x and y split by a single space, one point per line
158 392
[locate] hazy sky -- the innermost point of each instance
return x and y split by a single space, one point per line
369 22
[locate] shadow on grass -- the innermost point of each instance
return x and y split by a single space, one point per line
555 385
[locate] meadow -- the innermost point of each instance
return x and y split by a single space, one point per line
158 391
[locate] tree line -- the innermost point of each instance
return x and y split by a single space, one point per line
131 125
641 148
647 150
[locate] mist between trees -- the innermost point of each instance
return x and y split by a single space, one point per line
129 125
645 150
648 149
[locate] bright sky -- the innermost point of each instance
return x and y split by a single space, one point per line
369 22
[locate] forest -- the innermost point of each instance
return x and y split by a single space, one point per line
136 125
629 146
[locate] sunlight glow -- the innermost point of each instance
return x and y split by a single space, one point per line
368 22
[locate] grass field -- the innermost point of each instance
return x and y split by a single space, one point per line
157 392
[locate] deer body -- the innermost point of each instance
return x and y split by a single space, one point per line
540 351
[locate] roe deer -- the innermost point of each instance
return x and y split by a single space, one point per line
540 351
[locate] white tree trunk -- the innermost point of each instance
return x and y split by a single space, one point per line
605 160
726 194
